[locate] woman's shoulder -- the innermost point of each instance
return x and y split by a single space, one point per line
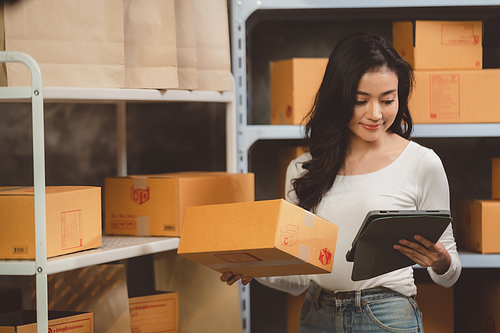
425 155
296 165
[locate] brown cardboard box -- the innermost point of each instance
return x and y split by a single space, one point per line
285 156
154 205
263 238
495 178
483 304
73 219
154 313
294 84
59 321
478 228
436 304
440 44
455 96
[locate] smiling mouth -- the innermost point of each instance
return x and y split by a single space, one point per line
371 127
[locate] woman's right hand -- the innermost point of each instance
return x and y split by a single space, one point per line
231 278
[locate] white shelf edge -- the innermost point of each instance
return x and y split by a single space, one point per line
114 248
245 8
274 132
111 95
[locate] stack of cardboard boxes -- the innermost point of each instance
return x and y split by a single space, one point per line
96 297
451 86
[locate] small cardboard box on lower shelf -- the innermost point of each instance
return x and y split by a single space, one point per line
154 313
59 321
437 307
495 178
478 228
154 205
73 220
257 239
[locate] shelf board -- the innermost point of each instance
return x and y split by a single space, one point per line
104 95
273 132
113 248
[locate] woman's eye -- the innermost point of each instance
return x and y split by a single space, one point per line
388 102
360 102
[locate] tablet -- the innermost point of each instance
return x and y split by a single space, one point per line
372 249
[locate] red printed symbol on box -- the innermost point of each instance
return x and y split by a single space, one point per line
325 256
140 195
289 235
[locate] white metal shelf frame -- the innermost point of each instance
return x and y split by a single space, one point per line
248 134
114 247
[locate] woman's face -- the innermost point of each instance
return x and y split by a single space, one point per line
376 105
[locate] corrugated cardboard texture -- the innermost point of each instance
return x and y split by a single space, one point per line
478 228
440 45
205 303
294 84
436 304
264 238
99 289
73 220
59 321
155 313
155 204
455 96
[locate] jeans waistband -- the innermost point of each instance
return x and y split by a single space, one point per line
319 295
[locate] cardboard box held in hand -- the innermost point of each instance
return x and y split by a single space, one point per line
257 239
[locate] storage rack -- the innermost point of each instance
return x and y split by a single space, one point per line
248 134
114 247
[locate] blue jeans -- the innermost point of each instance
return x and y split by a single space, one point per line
371 310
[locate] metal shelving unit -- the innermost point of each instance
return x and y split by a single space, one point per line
114 247
248 134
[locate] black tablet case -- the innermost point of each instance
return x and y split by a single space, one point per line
372 249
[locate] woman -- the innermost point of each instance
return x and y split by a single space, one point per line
361 159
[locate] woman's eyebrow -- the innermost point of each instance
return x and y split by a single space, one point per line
359 92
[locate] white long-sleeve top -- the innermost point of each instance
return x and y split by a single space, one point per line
415 180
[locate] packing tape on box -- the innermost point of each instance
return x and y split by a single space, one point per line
309 219
141 182
304 253
257 264
142 224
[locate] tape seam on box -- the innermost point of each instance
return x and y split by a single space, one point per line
309 219
141 183
304 252
257 264
142 224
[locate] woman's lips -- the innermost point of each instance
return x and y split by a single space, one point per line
371 127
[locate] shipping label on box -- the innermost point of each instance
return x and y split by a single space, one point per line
455 96
440 45
264 238
73 220
293 87
155 313
478 228
154 205
59 321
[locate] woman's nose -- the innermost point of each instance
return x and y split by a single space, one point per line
374 112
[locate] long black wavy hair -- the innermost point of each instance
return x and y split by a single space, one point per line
327 131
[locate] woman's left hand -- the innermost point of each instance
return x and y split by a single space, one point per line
426 253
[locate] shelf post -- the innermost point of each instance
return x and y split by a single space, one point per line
121 138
